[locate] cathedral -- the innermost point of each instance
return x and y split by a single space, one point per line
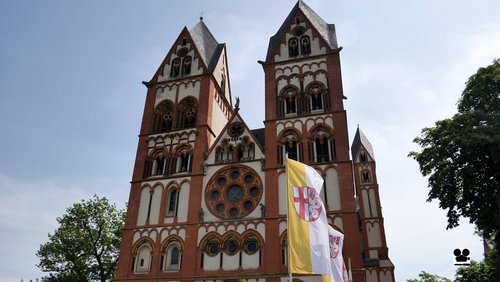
208 194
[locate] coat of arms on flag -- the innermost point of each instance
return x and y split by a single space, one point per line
307 203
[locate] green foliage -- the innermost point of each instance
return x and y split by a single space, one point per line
85 246
427 277
461 155
476 272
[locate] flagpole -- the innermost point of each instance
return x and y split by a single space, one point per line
290 276
350 270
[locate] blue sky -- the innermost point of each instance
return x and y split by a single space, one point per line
71 102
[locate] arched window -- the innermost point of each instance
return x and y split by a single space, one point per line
173 200
293 47
322 145
164 116
184 162
246 149
186 65
171 255
231 246
175 67
305 45
289 101
142 258
156 164
365 176
316 98
224 152
284 255
187 113
362 157
289 143
251 245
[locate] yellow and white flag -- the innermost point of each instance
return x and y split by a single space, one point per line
308 243
339 271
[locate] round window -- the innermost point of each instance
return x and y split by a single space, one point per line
212 248
233 192
251 246
231 247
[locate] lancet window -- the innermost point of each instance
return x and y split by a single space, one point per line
175 68
186 65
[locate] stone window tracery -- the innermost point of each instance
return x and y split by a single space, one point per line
233 192
164 116
187 112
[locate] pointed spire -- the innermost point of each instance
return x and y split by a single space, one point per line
326 31
205 42
359 141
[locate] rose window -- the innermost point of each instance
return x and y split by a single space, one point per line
233 192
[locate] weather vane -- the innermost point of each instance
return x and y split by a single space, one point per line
201 15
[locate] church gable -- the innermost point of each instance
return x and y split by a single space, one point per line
194 52
236 143
302 34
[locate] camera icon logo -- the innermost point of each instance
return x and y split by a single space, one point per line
461 257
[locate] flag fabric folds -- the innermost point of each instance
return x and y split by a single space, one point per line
308 241
339 271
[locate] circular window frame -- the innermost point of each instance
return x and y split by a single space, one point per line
247 242
231 243
234 176
208 246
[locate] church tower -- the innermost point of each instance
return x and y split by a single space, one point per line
208 194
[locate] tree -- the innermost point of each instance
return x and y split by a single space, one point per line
475 272
461 156
427 277
85 246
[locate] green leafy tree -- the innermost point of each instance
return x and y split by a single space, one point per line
475 272
85 246
427 277
461 156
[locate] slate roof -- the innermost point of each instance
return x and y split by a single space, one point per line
361 140
327 31
259 133
206 44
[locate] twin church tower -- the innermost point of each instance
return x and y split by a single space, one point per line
208 193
